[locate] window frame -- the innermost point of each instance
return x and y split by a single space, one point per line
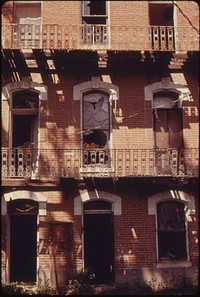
107 148
95 29
190 210
165 259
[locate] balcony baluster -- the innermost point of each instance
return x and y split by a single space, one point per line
53 164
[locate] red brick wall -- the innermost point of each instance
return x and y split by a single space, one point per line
60 117
61 12
135 233
127 13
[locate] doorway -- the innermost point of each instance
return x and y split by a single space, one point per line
23 130
99 245
168 132
23 247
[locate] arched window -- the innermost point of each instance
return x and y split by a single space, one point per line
171 231
25 100
96 127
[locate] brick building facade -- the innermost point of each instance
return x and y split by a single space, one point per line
100 147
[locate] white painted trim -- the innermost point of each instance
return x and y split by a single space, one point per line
174 264
22 194
96 84
86 196
162 86
189 202
24 84
171 194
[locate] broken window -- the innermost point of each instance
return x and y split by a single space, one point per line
94 12
94 20
171 231
96 127
161 20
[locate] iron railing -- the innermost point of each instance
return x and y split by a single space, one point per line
90 37
76 163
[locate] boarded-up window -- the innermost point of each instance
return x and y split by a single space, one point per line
168 133
168 128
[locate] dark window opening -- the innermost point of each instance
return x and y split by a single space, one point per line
96 139
23 154
96 7
161 20
171 231
23 206
23 130
94 20
94 205
25 100
161 14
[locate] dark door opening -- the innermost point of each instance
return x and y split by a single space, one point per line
22 129
99 246
23 248
23 144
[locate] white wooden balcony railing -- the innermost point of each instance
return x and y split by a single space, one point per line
75 163
90 37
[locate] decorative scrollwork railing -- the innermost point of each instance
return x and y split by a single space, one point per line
75 163
113 37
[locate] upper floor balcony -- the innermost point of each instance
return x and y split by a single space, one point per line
96 37
53 164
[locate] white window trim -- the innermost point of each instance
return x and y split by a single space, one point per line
24 84
86 196
167 85
96 85
189 202
22 194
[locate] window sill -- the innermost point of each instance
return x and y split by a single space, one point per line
173 264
